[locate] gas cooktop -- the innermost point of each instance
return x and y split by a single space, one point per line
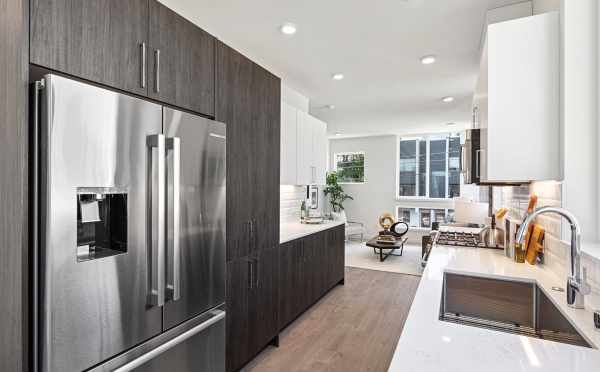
461 239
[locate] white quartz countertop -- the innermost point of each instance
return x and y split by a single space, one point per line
295 230
428 344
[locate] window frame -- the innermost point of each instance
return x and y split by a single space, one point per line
335 165
448 210
427 139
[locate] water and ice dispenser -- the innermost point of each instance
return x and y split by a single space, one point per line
101 223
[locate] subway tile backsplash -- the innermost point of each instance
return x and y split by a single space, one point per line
556 251
291 198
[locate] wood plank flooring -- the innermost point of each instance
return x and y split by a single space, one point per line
355 327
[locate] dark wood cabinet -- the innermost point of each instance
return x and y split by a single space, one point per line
139 46
294 285
234 92
252 305
14 141
248 101
309 267
181 61
97 40
336 255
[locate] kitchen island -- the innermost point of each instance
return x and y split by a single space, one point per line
428 344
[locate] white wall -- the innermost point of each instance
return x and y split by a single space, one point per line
378 194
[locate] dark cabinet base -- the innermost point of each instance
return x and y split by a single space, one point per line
310 267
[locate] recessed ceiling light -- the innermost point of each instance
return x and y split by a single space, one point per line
331 107
450 123
427 60
338 134
448 99
337 76
288 28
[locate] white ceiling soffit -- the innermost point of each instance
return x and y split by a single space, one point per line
377 45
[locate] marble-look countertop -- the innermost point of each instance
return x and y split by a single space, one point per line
295 230
428 344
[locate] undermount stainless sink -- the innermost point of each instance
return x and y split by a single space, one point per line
505 305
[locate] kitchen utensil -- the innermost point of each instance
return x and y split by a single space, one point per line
519 253
536 244
493 236
501 213
531 206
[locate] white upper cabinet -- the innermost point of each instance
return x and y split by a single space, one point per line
303 148
319 159
289 146
305 139
517 104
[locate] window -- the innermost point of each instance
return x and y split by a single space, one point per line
429 167
422 217
408 168
350 167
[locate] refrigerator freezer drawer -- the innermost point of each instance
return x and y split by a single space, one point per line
197 345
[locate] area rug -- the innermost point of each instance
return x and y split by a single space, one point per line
359 255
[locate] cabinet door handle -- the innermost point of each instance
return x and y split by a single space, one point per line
157 70
251 235
257 273
250 273
143 67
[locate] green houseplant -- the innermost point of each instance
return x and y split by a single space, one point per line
336 193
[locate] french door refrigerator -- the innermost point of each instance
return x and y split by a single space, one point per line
129 233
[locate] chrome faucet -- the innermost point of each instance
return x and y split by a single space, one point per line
576 288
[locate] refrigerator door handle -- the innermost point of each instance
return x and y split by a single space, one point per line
174 171
138 362
35 218
156 220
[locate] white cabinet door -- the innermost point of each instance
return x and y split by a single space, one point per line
304 157
289 145
518 100
319 152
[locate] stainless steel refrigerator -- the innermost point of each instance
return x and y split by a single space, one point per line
129 233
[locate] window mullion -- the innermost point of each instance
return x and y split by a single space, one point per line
447 166
427 166
417 168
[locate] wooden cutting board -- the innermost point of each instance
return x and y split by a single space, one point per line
535 244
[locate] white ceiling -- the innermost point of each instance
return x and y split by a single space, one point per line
375 44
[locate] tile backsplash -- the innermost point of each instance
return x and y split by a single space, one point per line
556 251
291 197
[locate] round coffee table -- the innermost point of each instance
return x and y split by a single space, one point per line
388 247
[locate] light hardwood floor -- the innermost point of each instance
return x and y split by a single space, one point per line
355 327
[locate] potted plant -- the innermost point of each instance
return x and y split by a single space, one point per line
336 195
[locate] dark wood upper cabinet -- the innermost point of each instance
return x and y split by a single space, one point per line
181 61
97 40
